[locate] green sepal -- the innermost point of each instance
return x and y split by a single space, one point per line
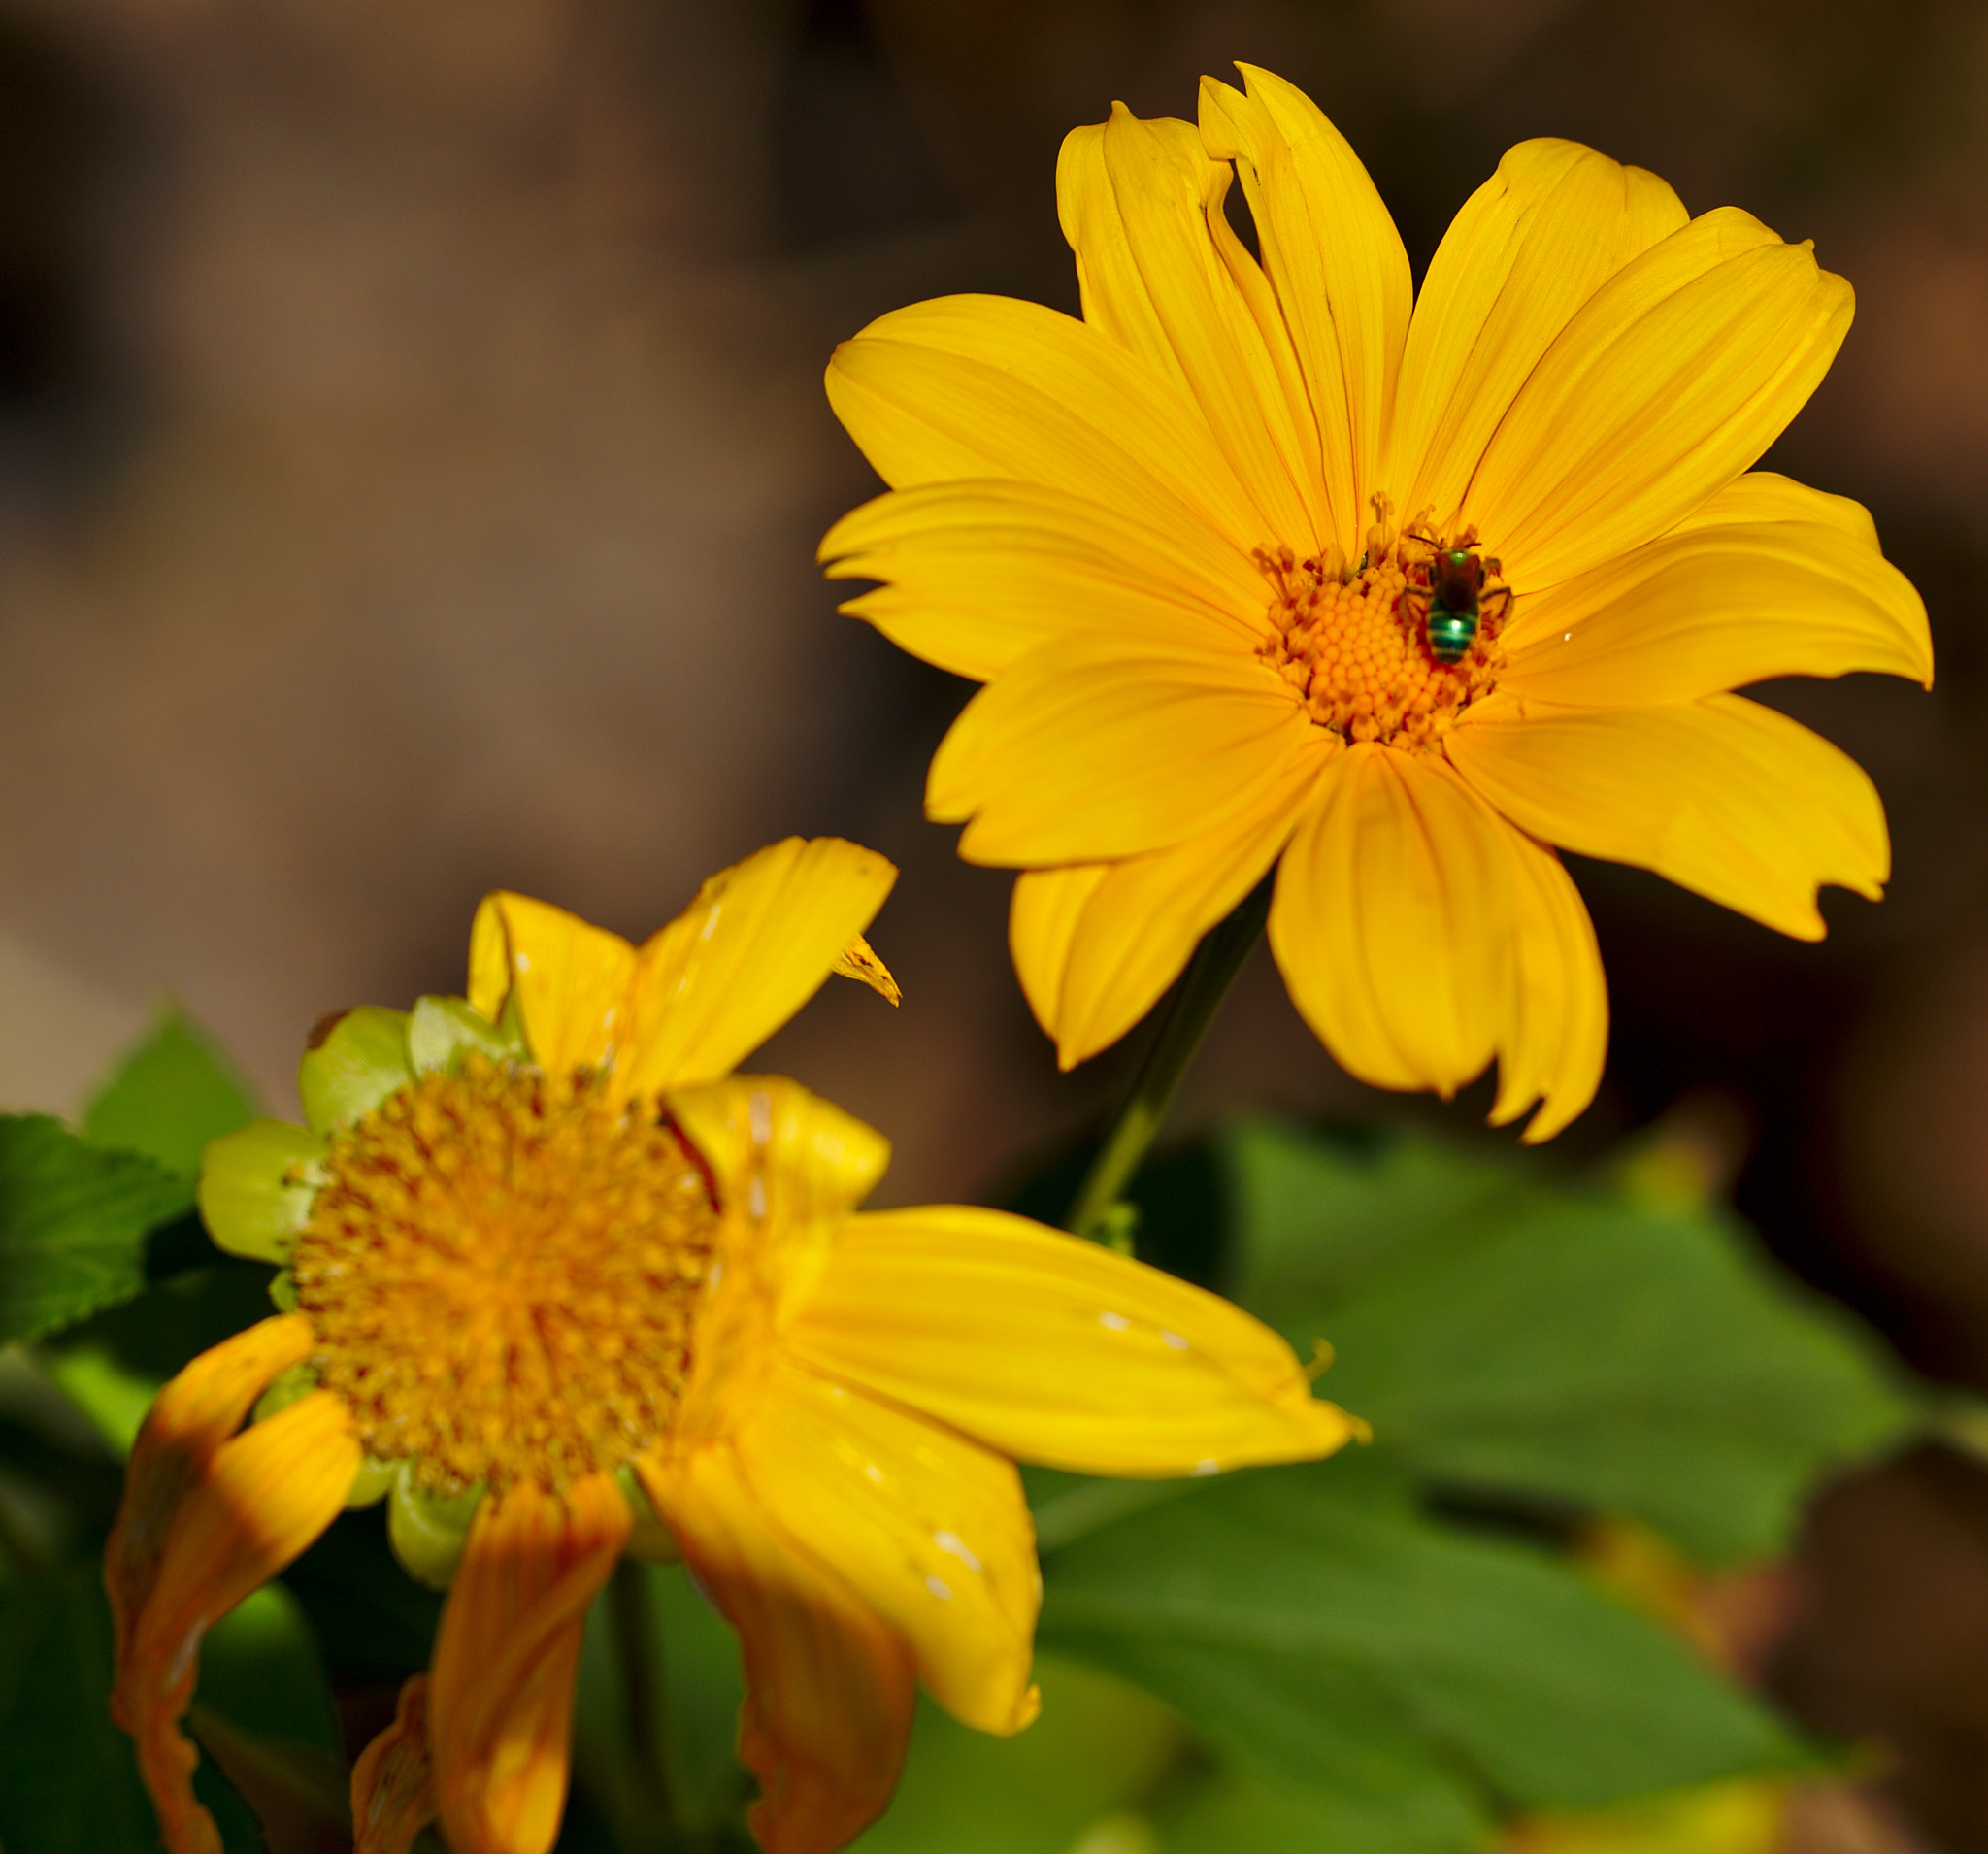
428 1531
372 1482
283 1292
650 1538
289 1387
256 1187
441 1031
363 1059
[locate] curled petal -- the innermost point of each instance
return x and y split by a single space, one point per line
1056 1350
501 1705
756 944
254 1504
828 1684
394 1782
928 1528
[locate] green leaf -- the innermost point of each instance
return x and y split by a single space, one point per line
1561 1342
74 1222
68 1779
168 1098
1534 1683
1099 1745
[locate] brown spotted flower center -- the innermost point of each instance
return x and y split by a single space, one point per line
504 1269
1355 642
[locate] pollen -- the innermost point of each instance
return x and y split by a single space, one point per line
505 1269
1353 639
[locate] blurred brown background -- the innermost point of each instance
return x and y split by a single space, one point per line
412 452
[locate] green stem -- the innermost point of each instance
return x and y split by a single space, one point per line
1210 974
631 1615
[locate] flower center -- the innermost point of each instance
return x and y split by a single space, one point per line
505 1273
1394 649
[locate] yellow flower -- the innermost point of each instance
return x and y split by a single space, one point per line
553 1278
1216 549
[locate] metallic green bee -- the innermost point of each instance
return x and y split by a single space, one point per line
1453 597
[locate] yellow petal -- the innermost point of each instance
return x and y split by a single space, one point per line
749 951
1057 1350
1337 264
1672 379
1553 1035
569 980
1715 608
259 1500
788 1167
1722 796
1088 750
858 960
1139 202
1096 944
828 1684
978 573
1420 936
977 386
1530 247
394 1782
501 1705
927 1528
193 1415
1762 495
1390 923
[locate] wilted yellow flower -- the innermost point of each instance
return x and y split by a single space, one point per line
1257 564
557 1287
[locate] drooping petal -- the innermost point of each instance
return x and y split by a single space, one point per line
1420 936
858 960
1139 202
1056 1350
1088 750
1381 924
569 980
1096 944
501 1702
1713 609
1337 264
394 1782
193 1415
978 573
1669 381
1530 247
256 1184
974 386
927 1528
259 1500
1553 1036
749 951
828 1684
1721 796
